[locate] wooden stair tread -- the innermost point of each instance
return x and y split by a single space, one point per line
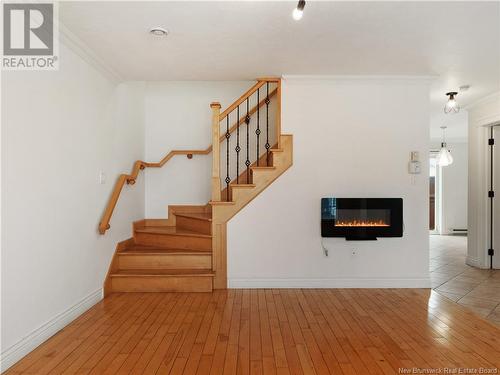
263 168
222 203
242 185
172 231
151 250
163 272
194 215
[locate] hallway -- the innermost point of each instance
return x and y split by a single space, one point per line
476 289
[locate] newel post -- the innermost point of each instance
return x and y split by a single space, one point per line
216 197
278 113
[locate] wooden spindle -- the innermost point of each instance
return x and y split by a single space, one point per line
216 194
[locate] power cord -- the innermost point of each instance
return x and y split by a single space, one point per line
325 250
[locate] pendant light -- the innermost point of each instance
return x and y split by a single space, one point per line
444 157
451 104
299 10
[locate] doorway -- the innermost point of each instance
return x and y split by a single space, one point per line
434 194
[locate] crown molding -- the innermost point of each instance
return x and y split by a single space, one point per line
356 78
73 42
491 97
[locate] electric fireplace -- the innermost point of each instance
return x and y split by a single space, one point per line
361 218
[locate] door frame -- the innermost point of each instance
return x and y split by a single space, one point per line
438 186
492 199
481 115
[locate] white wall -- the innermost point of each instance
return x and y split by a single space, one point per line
59 129
454 188
352 138
178 116
481 114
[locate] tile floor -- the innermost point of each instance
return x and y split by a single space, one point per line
476 289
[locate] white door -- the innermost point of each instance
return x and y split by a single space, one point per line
496 200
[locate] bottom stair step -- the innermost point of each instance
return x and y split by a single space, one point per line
143 257
150 280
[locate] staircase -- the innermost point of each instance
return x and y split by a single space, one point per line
187 251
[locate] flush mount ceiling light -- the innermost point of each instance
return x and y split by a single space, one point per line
158 31
451 105
444 157
299 10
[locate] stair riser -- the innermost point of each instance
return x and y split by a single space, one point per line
196 225
161 284
245 194
174 241
280 158
271 159
165 261
261 177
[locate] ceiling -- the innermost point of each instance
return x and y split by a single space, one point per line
458 42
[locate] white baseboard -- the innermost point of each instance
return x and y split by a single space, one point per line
474 262
237 283
11 355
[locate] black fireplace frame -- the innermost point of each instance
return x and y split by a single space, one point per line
328 219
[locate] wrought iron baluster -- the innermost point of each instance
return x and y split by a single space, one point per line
247 162
268 146
257 131
228 179
238 148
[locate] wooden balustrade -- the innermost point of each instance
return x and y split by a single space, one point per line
139 165
263 84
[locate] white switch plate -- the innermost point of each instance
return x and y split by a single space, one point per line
414 167
102 177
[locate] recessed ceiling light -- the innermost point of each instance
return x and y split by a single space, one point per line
158 31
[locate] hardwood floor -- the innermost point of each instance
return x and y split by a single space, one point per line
270 331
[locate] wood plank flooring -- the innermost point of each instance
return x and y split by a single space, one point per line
270 331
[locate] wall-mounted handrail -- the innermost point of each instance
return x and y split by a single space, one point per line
139 165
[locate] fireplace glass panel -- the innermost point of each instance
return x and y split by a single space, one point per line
363 218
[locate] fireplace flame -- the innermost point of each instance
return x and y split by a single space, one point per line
361 223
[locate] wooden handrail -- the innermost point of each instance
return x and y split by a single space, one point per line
140 165
241 99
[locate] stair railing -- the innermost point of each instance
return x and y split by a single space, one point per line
247 144
140 165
